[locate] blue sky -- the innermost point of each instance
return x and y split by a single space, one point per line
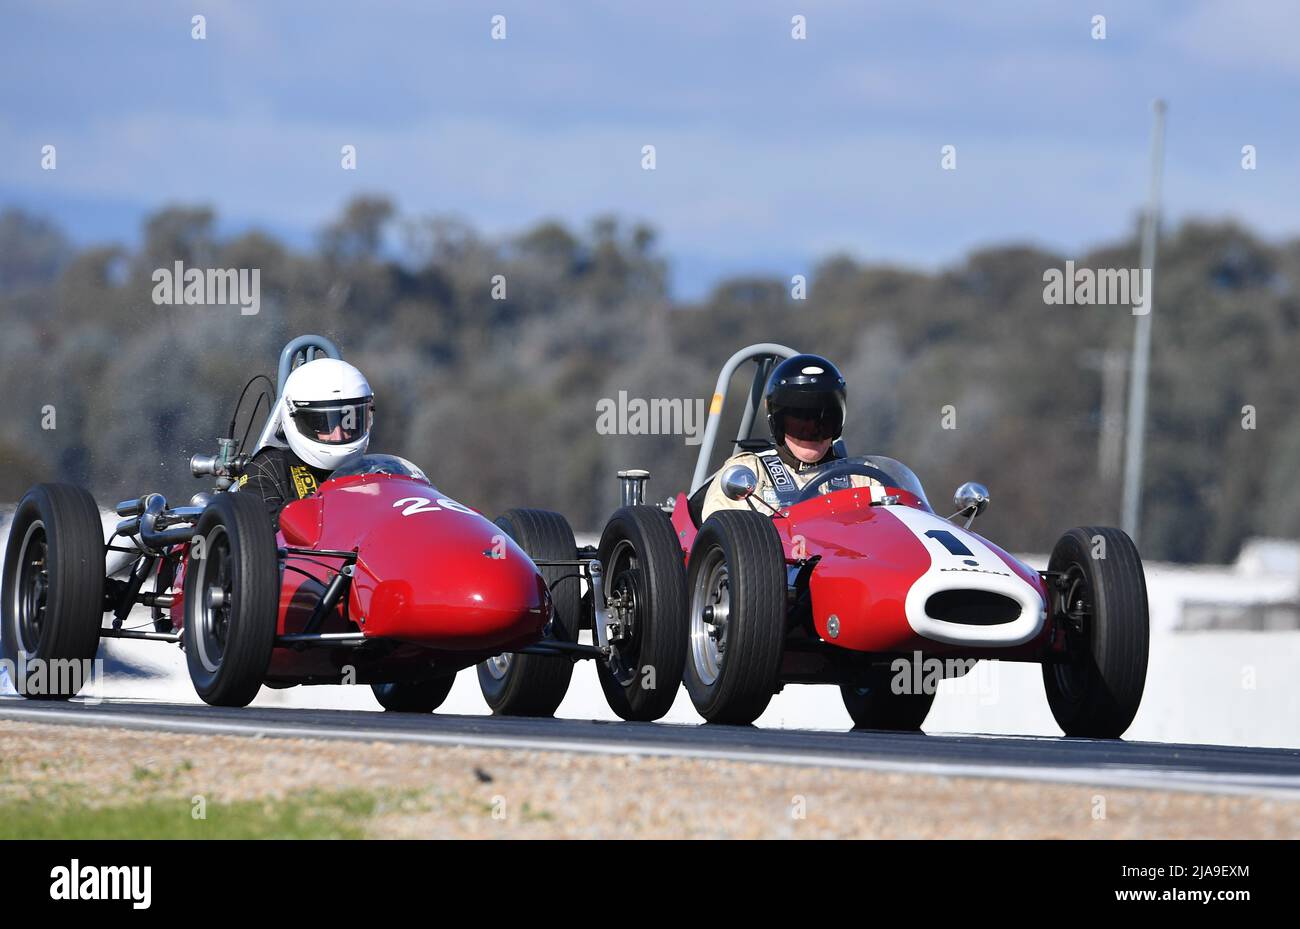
771 152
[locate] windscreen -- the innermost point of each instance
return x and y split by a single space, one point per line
381 464
902 475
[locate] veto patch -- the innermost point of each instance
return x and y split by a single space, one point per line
787 491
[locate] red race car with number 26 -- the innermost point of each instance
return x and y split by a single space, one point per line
376 578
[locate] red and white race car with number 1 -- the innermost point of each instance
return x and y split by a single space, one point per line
863 588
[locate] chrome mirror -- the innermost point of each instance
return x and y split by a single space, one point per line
971 499
739 483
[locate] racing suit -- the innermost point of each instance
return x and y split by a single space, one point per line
773 467
279 477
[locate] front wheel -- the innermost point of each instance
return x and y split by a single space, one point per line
53 591
1101 600
736 582
232 597
417 697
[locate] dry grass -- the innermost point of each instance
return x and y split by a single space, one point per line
385 789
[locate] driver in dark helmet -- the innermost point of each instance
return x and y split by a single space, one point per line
805 400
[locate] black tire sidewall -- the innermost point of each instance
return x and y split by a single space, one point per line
414 697
1113 676
755 559
881 708
535 685
75 563
661 611
255 594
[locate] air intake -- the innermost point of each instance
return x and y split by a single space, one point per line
972 607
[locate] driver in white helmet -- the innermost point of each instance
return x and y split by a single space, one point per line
325 416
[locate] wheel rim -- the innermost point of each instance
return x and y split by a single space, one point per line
215 593
623 602
1076 605
498 665
31 588
710 614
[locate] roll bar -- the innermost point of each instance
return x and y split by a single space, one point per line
297 351
301 350
763 354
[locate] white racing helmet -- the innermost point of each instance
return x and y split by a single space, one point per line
328 408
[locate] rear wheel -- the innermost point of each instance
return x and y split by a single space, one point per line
1101 599
232 598
53 591
535 685
874 704
736 583
645 595
418 697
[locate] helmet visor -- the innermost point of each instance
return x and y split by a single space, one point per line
335 423
810 425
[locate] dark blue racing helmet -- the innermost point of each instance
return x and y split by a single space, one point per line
809 390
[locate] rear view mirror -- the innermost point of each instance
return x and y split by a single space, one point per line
738 482
971 500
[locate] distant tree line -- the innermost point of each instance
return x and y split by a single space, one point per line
489 357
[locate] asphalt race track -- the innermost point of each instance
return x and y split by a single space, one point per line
1212 768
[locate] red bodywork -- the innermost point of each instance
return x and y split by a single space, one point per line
435 584
870 559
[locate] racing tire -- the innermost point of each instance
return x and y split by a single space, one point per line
232 600
1096 690
414 697
53 591
736 576
644 572
872 704
535 685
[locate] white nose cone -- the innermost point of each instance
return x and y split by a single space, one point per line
962 564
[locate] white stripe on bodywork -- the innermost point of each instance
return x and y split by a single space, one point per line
955 572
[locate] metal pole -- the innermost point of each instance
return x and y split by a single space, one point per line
1137 396
758 350
1112 365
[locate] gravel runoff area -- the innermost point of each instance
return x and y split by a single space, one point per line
439 792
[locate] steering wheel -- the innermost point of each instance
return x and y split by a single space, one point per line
843 469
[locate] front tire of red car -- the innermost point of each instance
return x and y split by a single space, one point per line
535 685
232 599
414 697
1101 602
736 582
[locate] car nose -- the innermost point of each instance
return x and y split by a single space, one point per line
474 590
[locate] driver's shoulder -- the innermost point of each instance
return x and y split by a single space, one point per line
748 459
272 453
741 458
